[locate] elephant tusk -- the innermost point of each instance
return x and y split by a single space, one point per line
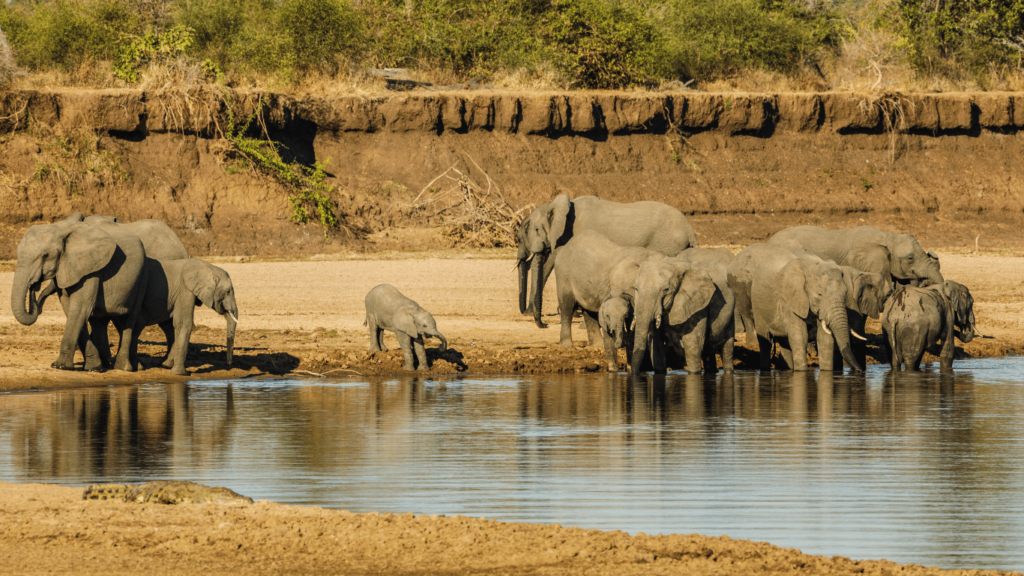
632 325
825 328
855 335
233 318
515 266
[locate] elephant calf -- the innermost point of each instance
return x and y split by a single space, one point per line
173 289
916 318
388 309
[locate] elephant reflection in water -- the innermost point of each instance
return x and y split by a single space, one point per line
115 432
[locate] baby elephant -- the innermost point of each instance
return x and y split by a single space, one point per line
915 318
388 309
173 289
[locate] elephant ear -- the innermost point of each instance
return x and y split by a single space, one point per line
695 292
201 281
870 257
403 321
87 250
956 300
869 296
75 217
793 290
559 218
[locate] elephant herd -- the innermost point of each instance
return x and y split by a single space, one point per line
635 271
641 281
134 275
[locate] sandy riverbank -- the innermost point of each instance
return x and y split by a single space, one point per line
302 317
52 530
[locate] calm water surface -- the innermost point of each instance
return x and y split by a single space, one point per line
922 468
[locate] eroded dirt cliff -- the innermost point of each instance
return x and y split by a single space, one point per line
943 166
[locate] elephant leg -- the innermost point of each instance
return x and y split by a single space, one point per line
182 323
421 353
826 350
405 341
658 353
787 356
376 335
167 327
123 361
77 310
693 345
611 353
593 328
798 345
91 355
730 343
566 306
101 341
764 347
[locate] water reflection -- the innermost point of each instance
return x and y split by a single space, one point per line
917 467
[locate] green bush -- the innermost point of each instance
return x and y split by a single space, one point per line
714 38
320 30
65 33
947 34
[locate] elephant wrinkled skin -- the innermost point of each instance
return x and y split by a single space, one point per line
916 318
788 295
589 270
389 309
867 249
721 326
97 274
173 289
646 224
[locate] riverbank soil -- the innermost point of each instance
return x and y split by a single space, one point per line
305 318
50 529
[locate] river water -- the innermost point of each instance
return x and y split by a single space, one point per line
924 468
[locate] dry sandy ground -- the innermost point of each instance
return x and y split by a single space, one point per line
301 317
50 529
307 316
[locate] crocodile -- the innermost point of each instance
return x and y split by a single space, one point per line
165 492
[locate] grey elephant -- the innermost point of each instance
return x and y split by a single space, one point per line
388 309
589 269
866 294
160 242
916 318
173 289
868 249
681 299
646 224
721 326
97 273
740 276
616 321
790 294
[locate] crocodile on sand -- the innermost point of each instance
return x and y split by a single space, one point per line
165 492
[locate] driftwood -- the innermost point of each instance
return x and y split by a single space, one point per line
398 79
472 215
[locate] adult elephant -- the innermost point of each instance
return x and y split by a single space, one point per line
589 270
646 224
790 294
672 299
160 242
721 326
867 249
866 294
96 272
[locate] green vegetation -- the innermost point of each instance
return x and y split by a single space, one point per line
569 43
311 197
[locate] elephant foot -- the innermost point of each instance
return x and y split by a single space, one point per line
98 368
566 343
124 366
423 368
613 366
410 367
168 363
62 366
179 371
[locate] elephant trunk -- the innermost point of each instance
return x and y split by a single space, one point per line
26 284
619 332
232 319
969 330
521 260
444 341
840 326
538 286
644 318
